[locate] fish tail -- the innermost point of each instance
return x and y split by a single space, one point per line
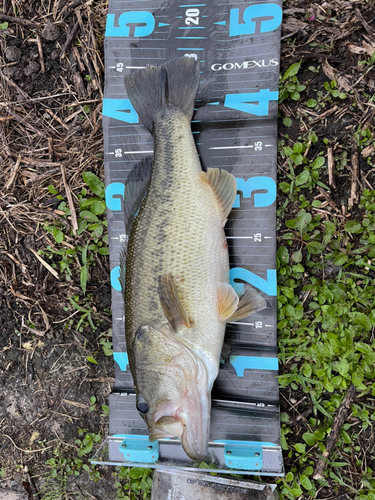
172 87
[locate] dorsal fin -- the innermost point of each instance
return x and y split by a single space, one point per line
135 189
224 186
170 302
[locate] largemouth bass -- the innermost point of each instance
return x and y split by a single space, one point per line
175 270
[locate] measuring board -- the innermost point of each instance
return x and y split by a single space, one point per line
234 126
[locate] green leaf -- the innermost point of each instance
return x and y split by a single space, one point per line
297 256
92 400
303 178
3 26
92 360
104 251
318 162
363 320
292 70
295 96
311 103
300 447
98 207
330 226
105 409
343 367
306 483
51 189
314 247
89 216
340 259
353 226
302 219
283 255
309 438
94 183
287 121
298 159
59 236
297 147
84 277
136 472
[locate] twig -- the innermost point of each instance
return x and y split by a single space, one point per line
39 163
45 264
325 114
19 90
70 201
40 177
18 20
331 164
51 150
367 27
14 173
22 120
327 197
27 451
336 426
41 57
58 119
70 39
355 178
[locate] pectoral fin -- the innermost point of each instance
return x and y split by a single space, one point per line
170 302
224 186
227 300
250 303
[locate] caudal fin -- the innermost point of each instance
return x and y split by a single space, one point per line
173 86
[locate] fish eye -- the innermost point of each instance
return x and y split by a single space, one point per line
142 406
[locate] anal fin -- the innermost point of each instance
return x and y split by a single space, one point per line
251 302
227 301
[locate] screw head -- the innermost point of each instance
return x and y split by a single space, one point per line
149 447
229 462
229 452
256 454
152 457
128 455
257 464
123 446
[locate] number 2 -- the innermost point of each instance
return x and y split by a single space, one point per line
192 16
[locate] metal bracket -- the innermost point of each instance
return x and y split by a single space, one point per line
137 448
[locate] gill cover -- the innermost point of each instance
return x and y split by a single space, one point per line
171 380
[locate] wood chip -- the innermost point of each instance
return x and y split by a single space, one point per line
74 403
331 164
13 174
338 421
45 264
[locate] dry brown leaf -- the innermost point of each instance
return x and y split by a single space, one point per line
369 151
332 74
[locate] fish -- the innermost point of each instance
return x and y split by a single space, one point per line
174 271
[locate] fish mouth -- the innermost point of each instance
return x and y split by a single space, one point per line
194 438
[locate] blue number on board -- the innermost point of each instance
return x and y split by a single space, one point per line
136 17
268 286
255 103
115 274
120 109
255 184
116 188
256 19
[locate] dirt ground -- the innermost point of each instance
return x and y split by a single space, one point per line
51 85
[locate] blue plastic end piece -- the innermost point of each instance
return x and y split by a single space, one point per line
244 455
137 448
121 359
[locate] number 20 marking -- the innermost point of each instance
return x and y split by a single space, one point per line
192 16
